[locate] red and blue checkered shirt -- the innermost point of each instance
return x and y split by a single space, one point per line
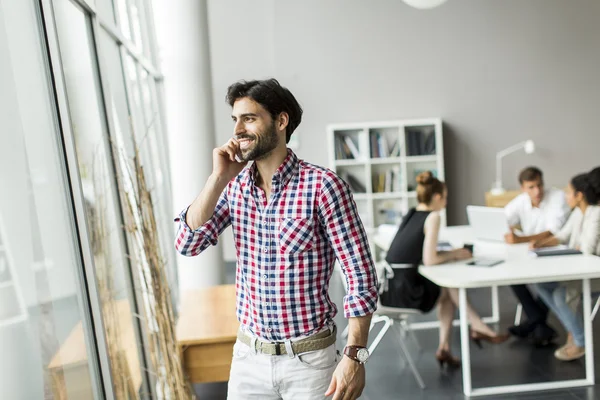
286 249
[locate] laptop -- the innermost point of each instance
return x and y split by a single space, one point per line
488 223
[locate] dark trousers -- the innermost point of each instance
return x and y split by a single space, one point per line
535 309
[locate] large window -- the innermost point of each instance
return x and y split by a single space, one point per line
74 97
43 301
94 156
106 59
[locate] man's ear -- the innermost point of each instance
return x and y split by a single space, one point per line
283 120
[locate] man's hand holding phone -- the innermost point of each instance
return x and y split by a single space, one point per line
227 161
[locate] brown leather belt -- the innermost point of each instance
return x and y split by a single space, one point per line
321 340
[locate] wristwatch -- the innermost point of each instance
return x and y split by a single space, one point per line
357 353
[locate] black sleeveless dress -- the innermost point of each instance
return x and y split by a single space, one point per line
408 288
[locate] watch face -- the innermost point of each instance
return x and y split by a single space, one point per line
362 355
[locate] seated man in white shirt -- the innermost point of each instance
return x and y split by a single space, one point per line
539 213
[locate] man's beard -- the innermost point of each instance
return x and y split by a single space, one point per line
264 144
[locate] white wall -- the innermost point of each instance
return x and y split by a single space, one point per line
496 72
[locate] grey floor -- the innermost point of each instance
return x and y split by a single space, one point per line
513 362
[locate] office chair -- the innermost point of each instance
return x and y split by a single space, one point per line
389 316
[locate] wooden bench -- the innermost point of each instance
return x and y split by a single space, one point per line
69 370
206 332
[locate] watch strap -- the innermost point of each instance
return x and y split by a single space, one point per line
352 352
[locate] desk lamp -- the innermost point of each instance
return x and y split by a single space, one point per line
529 148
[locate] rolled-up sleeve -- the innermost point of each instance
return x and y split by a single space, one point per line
189 242
339 217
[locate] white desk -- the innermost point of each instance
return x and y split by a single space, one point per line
457 236
518 268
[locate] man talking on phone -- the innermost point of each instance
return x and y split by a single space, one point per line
291 220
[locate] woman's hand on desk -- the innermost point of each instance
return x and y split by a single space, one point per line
461 254
545 242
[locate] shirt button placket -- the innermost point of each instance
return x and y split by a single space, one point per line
266 261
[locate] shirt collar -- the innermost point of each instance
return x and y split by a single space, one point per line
282 175
542 203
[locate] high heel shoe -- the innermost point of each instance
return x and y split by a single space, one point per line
444 357
477 337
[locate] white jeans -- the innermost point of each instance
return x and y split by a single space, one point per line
258 376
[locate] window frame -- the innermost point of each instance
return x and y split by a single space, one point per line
93 321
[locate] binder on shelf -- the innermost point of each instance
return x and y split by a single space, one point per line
429 145
420 141
389 175
343 150
412 145
382 145
380 183
395 152
396 179
352 147
374 146
355 185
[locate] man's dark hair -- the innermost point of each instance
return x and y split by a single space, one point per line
272 96
530 174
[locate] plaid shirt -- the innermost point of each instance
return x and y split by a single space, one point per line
286 248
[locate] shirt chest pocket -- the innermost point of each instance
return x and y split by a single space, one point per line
296 235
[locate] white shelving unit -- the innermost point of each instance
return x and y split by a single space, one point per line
380 161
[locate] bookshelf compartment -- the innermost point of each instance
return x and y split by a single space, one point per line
386 178
420 140
355 176
412 202
350 145
388 211
374 198
414 169
385 142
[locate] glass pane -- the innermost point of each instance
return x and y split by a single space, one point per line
147 124
98 180
41 311
156 153
138 25
105 10
123 18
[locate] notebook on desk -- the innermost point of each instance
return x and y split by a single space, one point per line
561 250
